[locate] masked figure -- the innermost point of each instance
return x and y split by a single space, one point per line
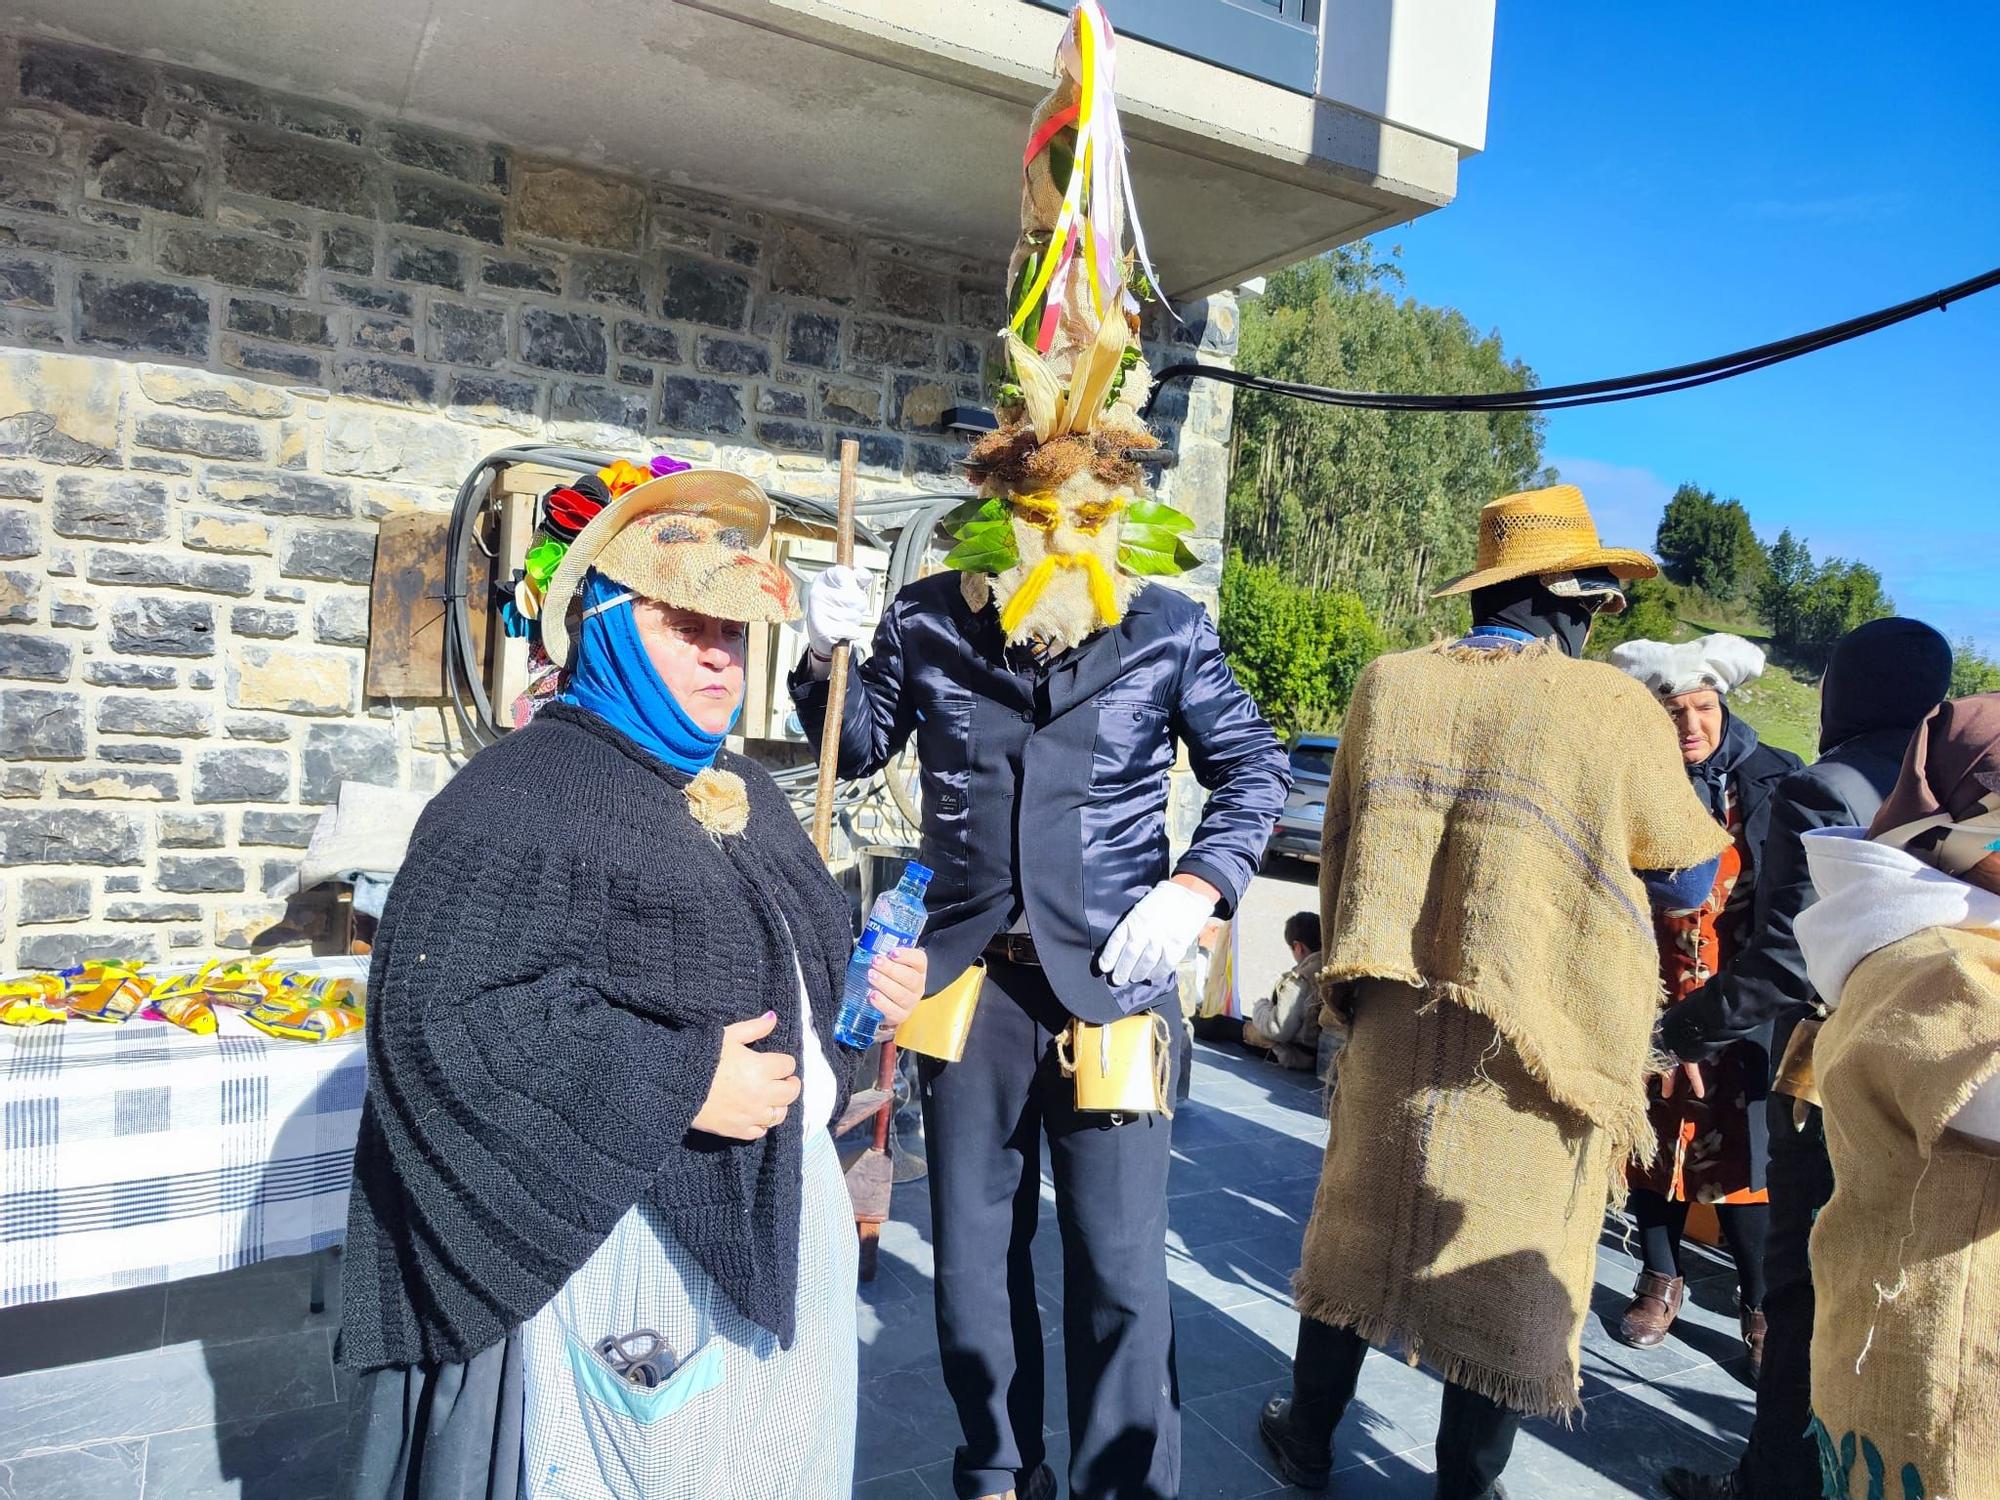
1049 685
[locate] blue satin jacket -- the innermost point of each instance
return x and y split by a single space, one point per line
1045 789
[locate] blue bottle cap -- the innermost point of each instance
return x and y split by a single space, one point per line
921 874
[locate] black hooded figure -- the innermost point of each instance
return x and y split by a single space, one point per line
1881 681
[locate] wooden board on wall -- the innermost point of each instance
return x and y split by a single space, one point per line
406 606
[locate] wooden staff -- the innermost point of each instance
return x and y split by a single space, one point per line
836 682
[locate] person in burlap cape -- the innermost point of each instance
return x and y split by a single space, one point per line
1904 945
1490 947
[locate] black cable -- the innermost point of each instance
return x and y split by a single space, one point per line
1593 392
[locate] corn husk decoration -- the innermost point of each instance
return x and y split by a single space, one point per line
1065 532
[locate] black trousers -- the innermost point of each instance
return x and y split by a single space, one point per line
1475 1434
985 1117
1782 1462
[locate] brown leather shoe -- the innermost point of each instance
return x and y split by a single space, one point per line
1656 1302
1752 1320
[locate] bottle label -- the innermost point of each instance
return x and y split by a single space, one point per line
876 940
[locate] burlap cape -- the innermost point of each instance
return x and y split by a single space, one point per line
1906 1254
1487 813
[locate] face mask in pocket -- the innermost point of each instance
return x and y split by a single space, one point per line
1126 1068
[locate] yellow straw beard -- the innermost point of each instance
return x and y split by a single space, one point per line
1103 591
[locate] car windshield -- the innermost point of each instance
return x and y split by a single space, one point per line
1314 762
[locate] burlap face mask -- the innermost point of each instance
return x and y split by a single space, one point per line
1063 563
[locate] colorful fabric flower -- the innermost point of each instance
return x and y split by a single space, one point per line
662 464
622 476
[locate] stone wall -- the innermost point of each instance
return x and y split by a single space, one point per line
240 328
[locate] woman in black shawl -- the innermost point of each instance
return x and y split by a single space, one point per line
1708 1117
598 1237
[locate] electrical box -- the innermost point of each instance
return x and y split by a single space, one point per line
776 649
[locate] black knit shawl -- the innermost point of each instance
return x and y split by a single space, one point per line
551 977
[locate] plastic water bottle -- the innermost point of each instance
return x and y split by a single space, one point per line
896 920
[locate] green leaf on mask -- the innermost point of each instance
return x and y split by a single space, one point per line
1151 552
985 537
978 508
1151 513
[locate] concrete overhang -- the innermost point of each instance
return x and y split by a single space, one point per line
899 117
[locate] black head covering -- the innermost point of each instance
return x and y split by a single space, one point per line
1887 674
1523 604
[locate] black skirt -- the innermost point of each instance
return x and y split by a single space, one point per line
437 1432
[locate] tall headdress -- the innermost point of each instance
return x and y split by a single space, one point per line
1065 530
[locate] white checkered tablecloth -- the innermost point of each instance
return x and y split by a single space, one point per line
139 1153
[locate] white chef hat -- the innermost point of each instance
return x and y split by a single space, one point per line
1720 662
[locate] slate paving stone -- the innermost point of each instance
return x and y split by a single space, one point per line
271 1297
1213 1467
291 1454
1620 1448
908 1485
102 1471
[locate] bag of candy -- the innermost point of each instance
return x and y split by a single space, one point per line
181 999
311 1010
106 990
32 1000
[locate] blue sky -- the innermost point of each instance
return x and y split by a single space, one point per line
1663 183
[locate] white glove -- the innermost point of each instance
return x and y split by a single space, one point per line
1157 933
836 609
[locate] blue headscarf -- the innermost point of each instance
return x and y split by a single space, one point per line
615 679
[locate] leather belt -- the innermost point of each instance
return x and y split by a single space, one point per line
1014 948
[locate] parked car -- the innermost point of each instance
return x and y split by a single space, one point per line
1298 830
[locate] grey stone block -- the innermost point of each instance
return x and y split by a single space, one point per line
369 298
153 317
268 166
280 494
341 619
782 401
306 369
20 533
150 569
350 250
268 320
205 437
152 911
122 170
174 717
26 283
334 753
142 753
110 510
101 84
808 264
117 784
608 278
163 627
246 260
284 830
36 724
53 898
60 950
649 341
698 292
907 290
724 356
69 836
385 380
431 265
98 1471
703 406
635 374
256 727
323 122
184 830
335 554
463 335
792 437
876 343
521 275
31 658
383 336
297 1454
264 624
571 342
191 874
447 210
494 392
432 151
223 97
129 674
574 401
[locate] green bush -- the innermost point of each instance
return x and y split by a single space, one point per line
1811 605
1296 650
1652 613
1708 545
1972 670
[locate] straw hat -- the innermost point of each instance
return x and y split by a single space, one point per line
1543 531
699 540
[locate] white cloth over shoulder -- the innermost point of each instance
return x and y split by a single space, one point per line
1872 895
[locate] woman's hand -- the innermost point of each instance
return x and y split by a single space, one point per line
752 1090
896 985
